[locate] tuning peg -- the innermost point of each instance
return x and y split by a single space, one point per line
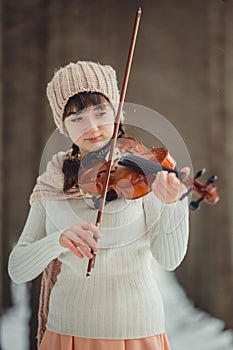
200 173
194 205
211 180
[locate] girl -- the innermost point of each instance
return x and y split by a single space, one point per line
119 307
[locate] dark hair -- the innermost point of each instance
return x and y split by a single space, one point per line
71 163
84 100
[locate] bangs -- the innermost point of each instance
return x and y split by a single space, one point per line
82 101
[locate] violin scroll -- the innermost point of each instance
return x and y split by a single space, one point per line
207 193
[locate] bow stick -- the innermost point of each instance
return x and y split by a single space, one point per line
91 262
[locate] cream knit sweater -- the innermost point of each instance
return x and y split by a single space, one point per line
121 299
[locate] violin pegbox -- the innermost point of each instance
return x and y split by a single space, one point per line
205 192
196 176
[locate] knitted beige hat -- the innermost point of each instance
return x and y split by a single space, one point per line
80 77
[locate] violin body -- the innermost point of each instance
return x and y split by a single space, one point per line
134 170
122 180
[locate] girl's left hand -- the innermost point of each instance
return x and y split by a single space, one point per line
167 187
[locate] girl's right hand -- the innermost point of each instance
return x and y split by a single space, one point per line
79 236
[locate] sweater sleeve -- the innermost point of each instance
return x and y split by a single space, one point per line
34 249
168 230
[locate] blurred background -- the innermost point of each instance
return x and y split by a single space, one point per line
182 68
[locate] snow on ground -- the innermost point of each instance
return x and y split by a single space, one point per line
14 323
187 327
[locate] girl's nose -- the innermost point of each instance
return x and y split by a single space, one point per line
92 124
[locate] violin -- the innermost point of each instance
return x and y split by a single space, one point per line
110 179
134 170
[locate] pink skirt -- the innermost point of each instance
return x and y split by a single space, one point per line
55 341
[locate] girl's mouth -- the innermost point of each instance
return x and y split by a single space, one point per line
94 139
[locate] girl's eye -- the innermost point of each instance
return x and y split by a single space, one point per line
76 119
100 114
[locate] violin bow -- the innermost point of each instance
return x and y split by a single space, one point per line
91 262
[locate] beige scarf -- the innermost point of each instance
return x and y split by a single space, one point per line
50 184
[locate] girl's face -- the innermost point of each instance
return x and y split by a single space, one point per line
91 128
